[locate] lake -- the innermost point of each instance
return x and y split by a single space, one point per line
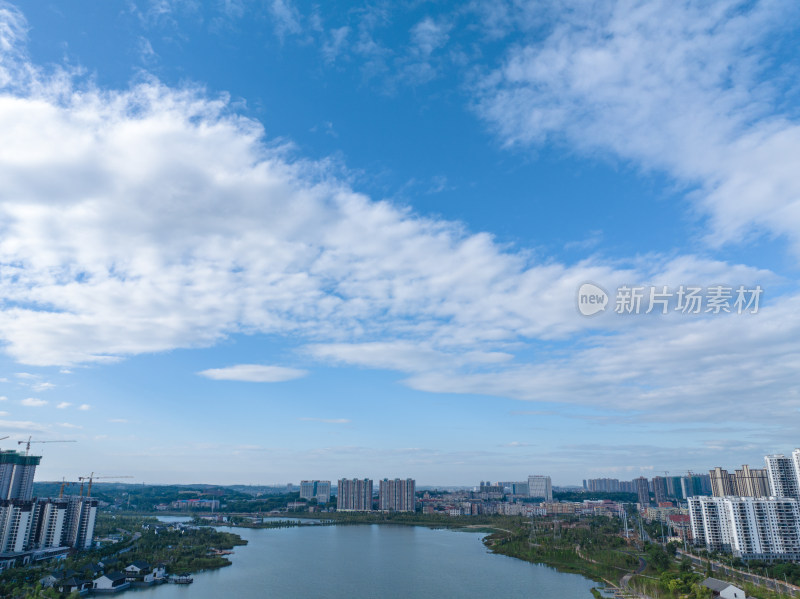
380 561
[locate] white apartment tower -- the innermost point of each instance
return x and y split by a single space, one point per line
783 474
316 489
749 527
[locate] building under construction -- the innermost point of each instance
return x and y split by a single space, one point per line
33 529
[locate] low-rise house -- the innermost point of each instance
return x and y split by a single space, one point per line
139 571
66 586
160 571
110 583
723 589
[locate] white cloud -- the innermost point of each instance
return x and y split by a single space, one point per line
63 405
22 425
429 35
684 88
69 425
3 398
3 414
84 407
118 420
235 236
33 402
254 373
44 386
327 420
335 43
286 18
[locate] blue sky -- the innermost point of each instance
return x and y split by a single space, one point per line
266 241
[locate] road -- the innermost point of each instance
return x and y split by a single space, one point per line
733 573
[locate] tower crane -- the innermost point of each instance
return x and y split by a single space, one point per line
27 443
92 478
62 483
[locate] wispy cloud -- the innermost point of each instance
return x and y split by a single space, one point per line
327 420
64 404
84 407
25 426
687 89
285 18
254 373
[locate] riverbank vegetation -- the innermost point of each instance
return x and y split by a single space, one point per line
596 547
183 550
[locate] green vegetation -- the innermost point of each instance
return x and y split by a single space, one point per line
595 547
182 551
592 547
144 498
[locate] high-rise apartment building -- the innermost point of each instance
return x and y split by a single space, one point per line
660 489
749 527
695 484
396 495
643 491
16 475
722 483
316 489
674 487
751 482
782 475
540 486
354 495
27 524
796 465
603 485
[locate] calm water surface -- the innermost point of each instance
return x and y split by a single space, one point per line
338 562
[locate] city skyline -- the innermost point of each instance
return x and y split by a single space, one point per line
264 242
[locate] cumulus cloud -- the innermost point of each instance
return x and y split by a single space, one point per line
84 407
33 402
152 218
254 373
679 87
63 405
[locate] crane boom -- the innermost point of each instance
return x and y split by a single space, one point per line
92 478
29 441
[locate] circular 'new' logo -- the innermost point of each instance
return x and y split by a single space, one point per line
591 299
